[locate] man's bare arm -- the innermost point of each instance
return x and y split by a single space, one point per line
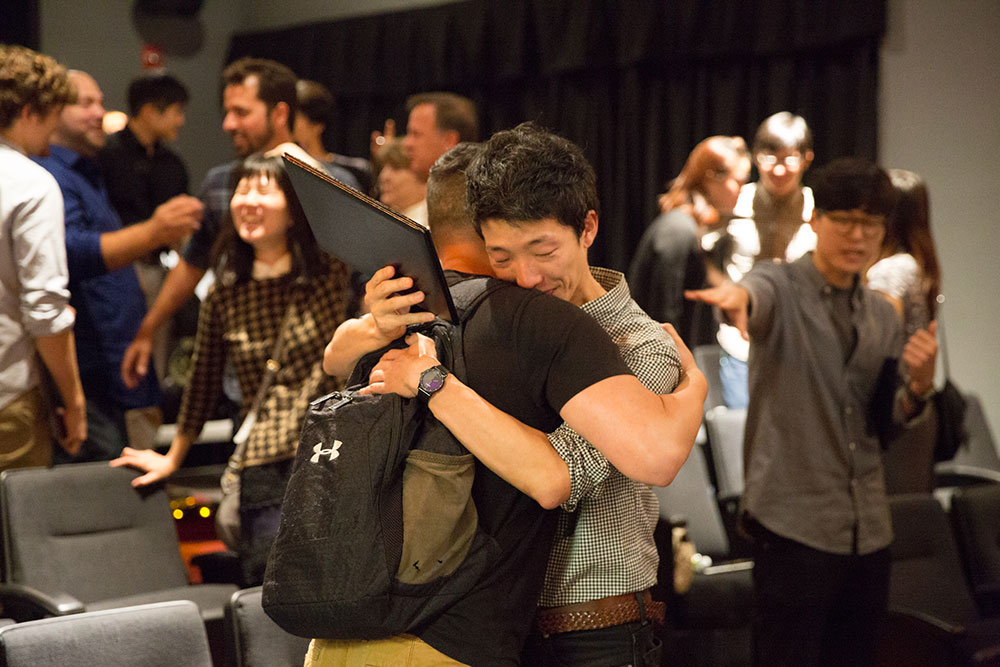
519 454
177 288
58 353
644 435
387 320
171 221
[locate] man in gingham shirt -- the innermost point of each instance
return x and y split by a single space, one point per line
533 196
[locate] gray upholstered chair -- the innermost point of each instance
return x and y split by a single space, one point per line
711 623
708 359
975 514
254 640
164 634
80 536
933 619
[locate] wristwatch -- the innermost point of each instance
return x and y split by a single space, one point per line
919 400
431 381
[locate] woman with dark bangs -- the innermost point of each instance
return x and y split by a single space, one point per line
907 273
275 290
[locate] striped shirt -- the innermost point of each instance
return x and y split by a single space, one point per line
610 550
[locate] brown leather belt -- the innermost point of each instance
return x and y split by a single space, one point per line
597 614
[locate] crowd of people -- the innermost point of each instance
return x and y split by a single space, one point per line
579 393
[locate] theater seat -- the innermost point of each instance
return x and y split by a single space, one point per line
254 640
975 513
165 634
933 619
80 536
710 624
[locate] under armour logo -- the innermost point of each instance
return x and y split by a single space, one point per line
331 451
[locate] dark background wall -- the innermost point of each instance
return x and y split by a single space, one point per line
938 91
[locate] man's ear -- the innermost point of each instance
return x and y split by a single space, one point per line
589 232
450 138
814 220
279 116
807 159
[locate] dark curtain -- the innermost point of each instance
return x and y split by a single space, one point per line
19 23
636 83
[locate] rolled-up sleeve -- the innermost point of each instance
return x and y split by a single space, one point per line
40 255
83 241
588 468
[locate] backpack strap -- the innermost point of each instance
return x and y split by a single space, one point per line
467 296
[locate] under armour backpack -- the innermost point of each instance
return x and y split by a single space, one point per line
379 533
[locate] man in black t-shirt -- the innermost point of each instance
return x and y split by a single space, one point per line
141 173
530 355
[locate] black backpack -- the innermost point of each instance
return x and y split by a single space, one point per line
379 534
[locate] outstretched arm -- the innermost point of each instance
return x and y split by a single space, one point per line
157 467
629 424
387 319
177 288
730 297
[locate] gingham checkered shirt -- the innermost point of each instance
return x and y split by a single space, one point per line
241 322
611 550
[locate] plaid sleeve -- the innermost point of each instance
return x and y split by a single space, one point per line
207 363
588 468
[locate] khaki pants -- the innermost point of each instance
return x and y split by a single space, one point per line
401 651
25 440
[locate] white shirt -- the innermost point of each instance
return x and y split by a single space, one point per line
34 299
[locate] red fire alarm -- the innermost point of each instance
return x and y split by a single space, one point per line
152 57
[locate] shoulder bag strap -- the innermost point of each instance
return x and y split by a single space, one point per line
271 370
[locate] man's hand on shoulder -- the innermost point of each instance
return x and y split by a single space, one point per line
398 371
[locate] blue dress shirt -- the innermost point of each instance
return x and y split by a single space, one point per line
109 304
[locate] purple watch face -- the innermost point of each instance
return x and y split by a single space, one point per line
434 383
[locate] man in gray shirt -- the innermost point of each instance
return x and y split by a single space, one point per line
824 395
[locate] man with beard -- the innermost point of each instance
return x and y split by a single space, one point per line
259 101
103 284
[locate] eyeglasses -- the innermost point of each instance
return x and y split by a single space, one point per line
844 223
770 160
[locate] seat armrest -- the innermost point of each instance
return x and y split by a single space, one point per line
922 622
917 639
23 603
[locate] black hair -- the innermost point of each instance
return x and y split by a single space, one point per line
233 257
529 174
447 214
160 90
315 101
783 131
852 183
275 82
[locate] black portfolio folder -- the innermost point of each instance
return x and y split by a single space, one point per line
367 235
